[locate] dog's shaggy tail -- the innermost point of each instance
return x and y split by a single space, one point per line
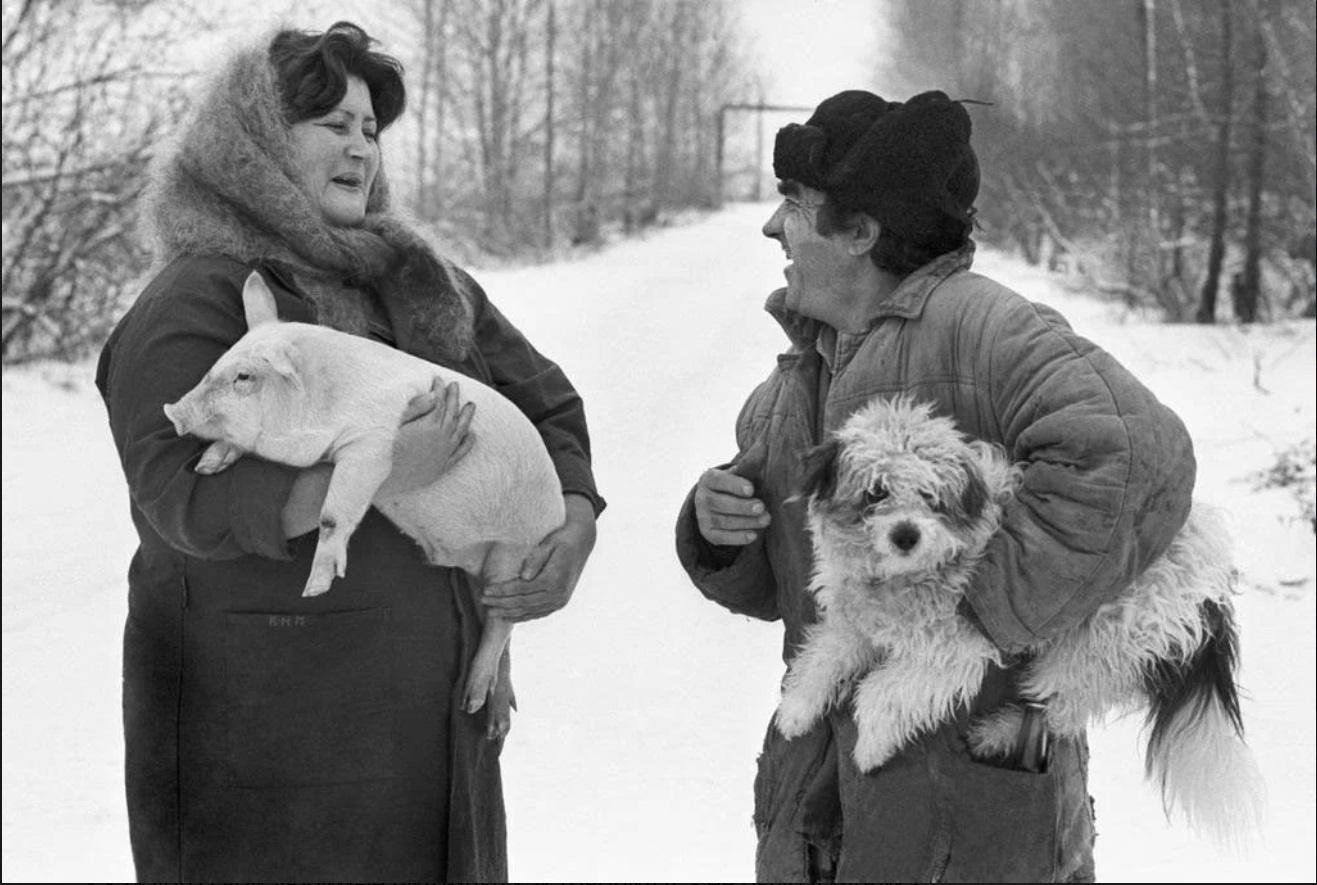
1196 752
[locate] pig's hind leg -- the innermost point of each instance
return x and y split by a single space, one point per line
489 678
359 471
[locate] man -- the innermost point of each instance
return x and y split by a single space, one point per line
880 301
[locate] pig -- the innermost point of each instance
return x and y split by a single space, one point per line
300 394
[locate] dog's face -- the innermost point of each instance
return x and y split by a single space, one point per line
897 491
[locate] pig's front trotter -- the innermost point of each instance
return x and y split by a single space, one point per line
218 456
331 559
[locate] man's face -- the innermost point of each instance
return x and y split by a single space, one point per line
819 264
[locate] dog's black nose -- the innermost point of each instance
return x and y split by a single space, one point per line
904 537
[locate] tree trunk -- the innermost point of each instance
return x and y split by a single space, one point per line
585 215
550 35
428 50
1246 293
436 198
1221 190
1151 189
665 167
634 144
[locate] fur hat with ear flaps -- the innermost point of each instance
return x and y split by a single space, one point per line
228 185
910 165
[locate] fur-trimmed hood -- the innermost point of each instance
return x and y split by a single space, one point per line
226 184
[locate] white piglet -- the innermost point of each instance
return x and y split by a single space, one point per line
300 394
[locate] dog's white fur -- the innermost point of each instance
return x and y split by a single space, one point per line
897 533
298 394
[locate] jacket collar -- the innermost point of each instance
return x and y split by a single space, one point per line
907 300
800 329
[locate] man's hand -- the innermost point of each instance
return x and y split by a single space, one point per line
726 509
551 570
435 434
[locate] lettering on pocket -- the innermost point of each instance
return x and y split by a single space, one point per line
289 620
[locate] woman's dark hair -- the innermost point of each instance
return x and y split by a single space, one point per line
895 252
313 70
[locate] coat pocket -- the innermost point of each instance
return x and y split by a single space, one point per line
1003 824
309 698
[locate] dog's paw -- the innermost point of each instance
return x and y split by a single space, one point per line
794 717
992 737
871 752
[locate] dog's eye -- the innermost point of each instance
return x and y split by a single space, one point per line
874 496
934 503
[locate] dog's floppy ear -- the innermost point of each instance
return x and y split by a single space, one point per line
819 470
975 497
1001 479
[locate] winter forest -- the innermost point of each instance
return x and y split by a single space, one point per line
1162 149
603 167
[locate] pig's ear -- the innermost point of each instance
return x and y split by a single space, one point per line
258 301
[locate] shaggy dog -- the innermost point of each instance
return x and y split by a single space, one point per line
901 508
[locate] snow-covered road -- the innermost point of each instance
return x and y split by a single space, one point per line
642 706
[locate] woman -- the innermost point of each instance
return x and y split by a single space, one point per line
271 737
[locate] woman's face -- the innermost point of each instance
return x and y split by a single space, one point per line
337 155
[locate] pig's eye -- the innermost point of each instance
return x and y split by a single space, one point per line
243 383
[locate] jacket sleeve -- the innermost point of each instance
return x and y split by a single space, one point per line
180 326
1108 478
540 389
740 579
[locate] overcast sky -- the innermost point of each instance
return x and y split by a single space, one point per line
814 48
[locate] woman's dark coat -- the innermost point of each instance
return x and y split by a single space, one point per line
271 737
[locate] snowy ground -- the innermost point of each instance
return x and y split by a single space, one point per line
642 705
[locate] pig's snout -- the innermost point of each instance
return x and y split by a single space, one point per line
181 416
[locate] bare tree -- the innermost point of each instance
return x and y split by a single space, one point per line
1245 287
1094 143
551 34
430 97
1221 186
84 103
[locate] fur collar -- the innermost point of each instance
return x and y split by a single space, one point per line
226 185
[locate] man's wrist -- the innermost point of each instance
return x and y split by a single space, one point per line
717 556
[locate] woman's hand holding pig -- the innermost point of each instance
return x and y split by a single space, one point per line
435 434
549 574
